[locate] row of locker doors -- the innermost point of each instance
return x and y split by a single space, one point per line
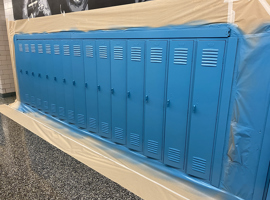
159 97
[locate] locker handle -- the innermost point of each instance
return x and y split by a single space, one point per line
146 98
194 108
98 87
21 71
39 75
33 74
112 90
86 85
168 103
73 82
128 94
55 78
47 77
64 80
26 72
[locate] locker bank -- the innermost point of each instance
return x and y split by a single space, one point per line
164 93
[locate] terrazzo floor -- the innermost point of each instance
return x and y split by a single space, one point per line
31 168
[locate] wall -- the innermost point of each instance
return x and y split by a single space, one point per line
6 75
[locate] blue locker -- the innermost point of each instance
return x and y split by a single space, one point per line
78 83
58 80
90 67
45 75
118 90
27 59
155 74
104 87
135 93
206 90
40 96
52 79
179 73
34 90
20 69
68 81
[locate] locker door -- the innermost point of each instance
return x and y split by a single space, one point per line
46 77
40 67
209 64
104 87
34 90
135 91
90 67
52 77
27 58
58 80
78 83
68 81
154 97
118 90
180 63
20 68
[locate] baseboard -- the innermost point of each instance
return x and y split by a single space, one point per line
10 94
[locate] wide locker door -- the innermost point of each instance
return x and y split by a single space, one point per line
104 87
208 73
78 84
118 90
40 79
180 63
20 69
154 97
135 93
90 67
58 80
68 81
34 90
52 80
46 77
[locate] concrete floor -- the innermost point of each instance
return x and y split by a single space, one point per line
31 168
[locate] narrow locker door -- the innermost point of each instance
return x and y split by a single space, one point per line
47 66
180 63
52 87
58 80
78 83
104 87
20 68
27 62
34 90
90 67
155 74
68 81
135 91
209 64
40 66
118 90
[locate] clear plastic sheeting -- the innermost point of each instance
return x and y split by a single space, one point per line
146 178
249 116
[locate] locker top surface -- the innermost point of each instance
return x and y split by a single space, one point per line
209 31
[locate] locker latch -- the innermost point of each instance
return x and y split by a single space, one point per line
86 85
194 108
47 77
33 74
73 82
26 72
39 75
55 78
168 102
98 87
112 90
21 71
146 98
128 94
64 80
